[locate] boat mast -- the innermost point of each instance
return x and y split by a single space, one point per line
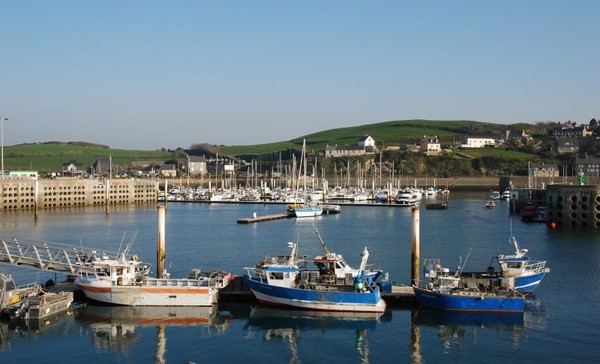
327 252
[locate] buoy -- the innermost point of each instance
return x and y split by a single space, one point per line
553 225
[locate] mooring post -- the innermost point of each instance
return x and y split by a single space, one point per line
415 247
106 194
160 250
166 194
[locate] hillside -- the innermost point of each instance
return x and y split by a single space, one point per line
389 132
50 156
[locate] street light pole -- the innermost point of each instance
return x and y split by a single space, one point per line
2 118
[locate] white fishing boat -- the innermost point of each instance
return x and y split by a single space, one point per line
122 281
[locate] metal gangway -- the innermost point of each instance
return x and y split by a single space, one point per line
48 256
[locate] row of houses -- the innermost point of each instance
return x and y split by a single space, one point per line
193 165
429 145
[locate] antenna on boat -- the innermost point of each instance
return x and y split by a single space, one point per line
321 240
121 245
460 268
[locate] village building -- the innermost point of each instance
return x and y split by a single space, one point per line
73 168
544 170
168 170
105 166
365 145
430 145
195 165
589 166
477 142
567 145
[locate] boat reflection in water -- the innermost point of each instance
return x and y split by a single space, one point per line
115 326
289 324
30 329
455 327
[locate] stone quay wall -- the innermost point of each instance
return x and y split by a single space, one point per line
24 194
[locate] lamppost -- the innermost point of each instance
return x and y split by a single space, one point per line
2 118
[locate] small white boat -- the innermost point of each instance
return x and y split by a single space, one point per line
495 195
405 198
331 209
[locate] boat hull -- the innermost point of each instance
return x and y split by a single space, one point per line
150 295
527 284
316 300
308 212
469 303
41 307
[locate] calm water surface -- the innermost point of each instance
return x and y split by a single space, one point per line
560 322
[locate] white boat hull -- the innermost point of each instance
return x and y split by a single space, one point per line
150 294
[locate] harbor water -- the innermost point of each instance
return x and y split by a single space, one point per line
560 321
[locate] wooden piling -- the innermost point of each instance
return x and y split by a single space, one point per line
415 247
160 250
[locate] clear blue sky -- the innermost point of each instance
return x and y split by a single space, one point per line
151 74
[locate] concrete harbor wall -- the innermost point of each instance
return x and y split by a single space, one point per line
23 194
573 206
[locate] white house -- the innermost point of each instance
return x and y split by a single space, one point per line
366 142
477 142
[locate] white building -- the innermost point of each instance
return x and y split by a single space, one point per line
477 142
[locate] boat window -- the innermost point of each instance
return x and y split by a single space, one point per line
513 264
10 285
276 275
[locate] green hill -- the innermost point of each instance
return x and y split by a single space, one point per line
389 132
49 156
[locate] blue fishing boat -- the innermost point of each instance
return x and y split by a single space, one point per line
285 281
518 270
527 274
453 292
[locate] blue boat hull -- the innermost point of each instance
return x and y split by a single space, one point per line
316 300
527 284
475 303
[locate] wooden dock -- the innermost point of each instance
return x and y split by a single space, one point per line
255 219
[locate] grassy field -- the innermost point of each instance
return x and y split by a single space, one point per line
51 156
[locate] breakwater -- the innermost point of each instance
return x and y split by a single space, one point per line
25 194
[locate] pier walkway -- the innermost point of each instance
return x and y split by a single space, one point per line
255 219
47 256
